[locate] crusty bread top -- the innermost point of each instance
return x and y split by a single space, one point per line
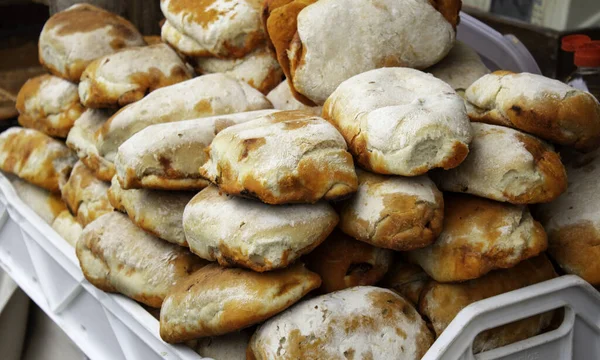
460 68
282 99
47 205
363 322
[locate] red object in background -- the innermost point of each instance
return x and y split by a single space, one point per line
570 43
588 54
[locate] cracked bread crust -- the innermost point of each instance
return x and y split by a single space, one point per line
479 236
537 105
284 157
506 165
395 213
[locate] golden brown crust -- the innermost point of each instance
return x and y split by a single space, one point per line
406 279
449 9
101 168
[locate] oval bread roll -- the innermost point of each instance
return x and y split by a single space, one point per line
49 104
44 203
317 57
252 234
67 227
215 300
506 165
285 157
73 38
393 212
408 280
537 105
85 195
208 95
128 75
184 44
157 212
358 323
400 121
117 256
480 235
282 99
168 156
35 157
440 303
221 28
344 262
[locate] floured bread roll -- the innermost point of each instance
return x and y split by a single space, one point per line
406 279
73 38
538 105
480 235
85 195
35 158
393 212
128 75
49 104
400 121
168 156
230 346
507 165
117 256
460 68
252 234
358 323
573 220
82 140
67 226
344 262
440 303
215 300
317 57
221 28
44 203
259 69
208 95
281 97
157 212
285 157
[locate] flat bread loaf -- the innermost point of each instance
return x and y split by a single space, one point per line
67 227
44 203
285 157
49 104
216 300
363 322
127 76
73 38
480 235
506 165
400 121
537 105
393 212
117 256
282 99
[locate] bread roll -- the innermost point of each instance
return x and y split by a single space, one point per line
393 212
358 323
168 156
406 279
128 75
117 256
208 95
73 38
85 195
221 28
285 157
230 346
344 262
35 158
507 165
49 104
67 226
400 121
82 140
480 235
44 203
537 105
252 234
184 44
282 99
157 212
440 303
573 220
317 57
259 68
215 300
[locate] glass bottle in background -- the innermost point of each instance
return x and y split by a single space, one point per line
568 45
587 75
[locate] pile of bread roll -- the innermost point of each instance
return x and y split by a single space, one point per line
349 211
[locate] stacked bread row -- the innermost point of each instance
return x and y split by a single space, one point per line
198 198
